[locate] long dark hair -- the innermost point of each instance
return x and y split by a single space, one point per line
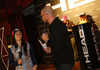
23 43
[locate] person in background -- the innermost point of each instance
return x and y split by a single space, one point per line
69 25
21 53
58 40
82 18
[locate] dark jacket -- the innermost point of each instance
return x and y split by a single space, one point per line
59 41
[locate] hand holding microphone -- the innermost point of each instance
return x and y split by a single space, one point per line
45 29
20 61
45 37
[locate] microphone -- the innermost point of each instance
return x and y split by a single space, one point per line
45 29
20 55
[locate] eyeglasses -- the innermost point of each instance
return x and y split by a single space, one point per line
43 15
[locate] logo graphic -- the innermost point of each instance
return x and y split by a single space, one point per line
71 4
84 45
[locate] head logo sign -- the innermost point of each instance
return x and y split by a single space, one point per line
84 45
72 4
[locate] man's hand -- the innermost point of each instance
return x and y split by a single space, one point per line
47 50
45 37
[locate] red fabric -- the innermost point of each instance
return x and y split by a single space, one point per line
2 4
13 5
27 3
15 19
13 8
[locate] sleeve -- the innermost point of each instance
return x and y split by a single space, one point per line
11 58
32 55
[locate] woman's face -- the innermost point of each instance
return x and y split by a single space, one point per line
18 36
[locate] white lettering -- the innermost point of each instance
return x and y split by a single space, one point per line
83 41
87 60
62 5
85 51
81 33
84 45
71 3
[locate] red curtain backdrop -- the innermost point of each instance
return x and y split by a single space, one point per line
13 5
15 19
13 8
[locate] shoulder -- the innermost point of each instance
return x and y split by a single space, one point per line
12 47
56 21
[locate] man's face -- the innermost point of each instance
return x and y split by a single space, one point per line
43 16
82 18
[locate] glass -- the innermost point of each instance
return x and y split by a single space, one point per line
42 15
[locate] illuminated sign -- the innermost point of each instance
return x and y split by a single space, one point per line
75 3
71 4
62 5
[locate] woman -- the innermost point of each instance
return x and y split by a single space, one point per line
21 53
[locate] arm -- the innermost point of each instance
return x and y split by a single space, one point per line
45 38
11 59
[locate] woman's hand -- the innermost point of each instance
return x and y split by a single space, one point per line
20 61
35 67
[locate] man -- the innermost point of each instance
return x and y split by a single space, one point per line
58 41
